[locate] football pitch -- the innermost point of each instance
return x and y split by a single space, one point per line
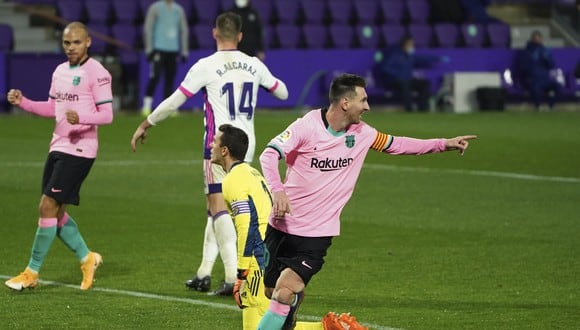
490 240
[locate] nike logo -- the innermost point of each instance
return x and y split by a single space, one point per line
55 190
306 265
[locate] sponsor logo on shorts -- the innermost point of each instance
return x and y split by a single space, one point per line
54 190
306 265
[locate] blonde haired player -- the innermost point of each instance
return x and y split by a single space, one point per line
229 80
250 202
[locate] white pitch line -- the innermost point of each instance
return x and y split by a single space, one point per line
495 174
138 294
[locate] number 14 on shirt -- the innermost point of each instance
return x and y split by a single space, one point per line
245 102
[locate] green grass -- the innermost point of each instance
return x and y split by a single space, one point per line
427 243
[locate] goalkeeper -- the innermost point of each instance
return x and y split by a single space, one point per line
250 202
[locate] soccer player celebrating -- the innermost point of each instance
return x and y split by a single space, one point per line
80 99
250 201
324 152
229 80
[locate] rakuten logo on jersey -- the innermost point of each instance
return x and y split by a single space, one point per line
327 164
65 96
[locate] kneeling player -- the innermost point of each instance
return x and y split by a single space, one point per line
248 198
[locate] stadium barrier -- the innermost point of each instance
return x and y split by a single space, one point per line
298 68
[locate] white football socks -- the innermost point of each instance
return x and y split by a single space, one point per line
210 250
225 233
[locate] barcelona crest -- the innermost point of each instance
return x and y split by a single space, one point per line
349 141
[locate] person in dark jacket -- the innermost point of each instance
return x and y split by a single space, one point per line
397 69
536 64
252 33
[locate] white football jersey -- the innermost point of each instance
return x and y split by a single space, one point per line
229 80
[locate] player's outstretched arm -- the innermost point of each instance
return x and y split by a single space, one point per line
460 143
402 145
163 110
43 108
140 134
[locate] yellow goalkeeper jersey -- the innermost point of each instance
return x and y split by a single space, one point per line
250 202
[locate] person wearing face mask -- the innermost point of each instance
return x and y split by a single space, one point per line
252 43
397 68
536 64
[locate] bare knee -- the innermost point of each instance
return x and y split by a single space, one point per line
288 285
49 207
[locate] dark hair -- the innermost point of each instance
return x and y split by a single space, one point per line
235 140
344 84
228 25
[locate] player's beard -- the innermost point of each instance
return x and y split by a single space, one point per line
76 58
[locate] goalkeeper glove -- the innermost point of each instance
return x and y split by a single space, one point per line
239 287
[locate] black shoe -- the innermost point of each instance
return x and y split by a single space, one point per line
225 289
290 322
199 284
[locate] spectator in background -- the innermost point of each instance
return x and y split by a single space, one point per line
535 66
397 68
252 43
165 34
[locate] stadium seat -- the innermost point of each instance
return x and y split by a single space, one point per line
392 11
473 34
287 11
6 38
98 45
98 11
366 11
287 36
393 33
499 34
446 34
315 36
264 8
187 6
342 35
418 11
203 36
126 11
367 36
130 35
206 11
314 11
143 7
340 11
422 34
70 10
